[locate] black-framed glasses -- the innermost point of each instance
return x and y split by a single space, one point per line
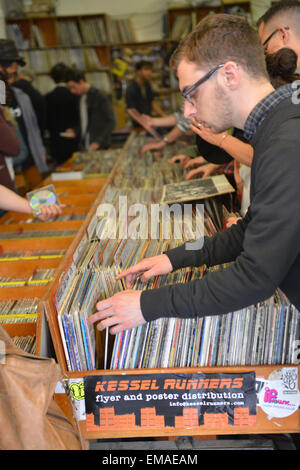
265 43
186 93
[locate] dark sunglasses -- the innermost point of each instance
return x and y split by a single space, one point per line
186 93
272 34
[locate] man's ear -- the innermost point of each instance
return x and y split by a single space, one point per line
285 35
231 74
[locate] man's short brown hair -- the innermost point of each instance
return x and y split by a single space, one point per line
220 38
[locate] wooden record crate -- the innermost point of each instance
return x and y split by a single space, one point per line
54 235
32 328
123 429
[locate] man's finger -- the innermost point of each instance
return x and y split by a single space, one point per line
148 274
111 320
104 304
101 315
137 269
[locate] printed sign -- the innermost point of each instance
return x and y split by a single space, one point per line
279 396
169 401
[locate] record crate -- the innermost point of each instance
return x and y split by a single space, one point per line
31 251
168 401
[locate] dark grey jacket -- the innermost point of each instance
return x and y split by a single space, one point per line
265 245
101 119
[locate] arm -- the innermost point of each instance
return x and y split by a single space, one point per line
10 201
171 137
165 121
157 109
239 150
131 308
263 246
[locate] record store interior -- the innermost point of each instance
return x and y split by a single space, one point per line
149 263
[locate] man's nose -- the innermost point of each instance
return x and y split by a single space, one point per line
190 110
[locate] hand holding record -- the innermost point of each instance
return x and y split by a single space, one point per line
49 212
44 203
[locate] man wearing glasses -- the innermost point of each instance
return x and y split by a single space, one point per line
280 27
223 78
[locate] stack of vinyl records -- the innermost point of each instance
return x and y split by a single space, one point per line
265 333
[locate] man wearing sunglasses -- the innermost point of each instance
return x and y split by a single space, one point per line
280 27
223 78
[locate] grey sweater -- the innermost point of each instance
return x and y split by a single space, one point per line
264 246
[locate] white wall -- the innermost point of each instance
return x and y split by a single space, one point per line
2 22
147 15
259 7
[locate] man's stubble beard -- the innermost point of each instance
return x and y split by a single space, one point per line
224 112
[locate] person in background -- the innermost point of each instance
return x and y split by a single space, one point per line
96 116
180 130
139 93
22 111
279 27
62 114
25 82
282 67
10 145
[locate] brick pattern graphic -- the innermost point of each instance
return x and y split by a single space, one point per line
188 419
150 420
243 418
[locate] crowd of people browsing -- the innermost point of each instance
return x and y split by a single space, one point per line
38 130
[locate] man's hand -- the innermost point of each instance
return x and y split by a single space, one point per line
206 134
147 268
148 120
160 144
94 146
180 158
71 133
205 171
194 161
120 312
232 220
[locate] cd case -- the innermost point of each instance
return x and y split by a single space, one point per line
42 196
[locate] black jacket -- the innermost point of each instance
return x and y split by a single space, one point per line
265 245
101 119
135 99
62 114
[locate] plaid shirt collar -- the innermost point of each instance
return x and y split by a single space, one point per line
261 110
